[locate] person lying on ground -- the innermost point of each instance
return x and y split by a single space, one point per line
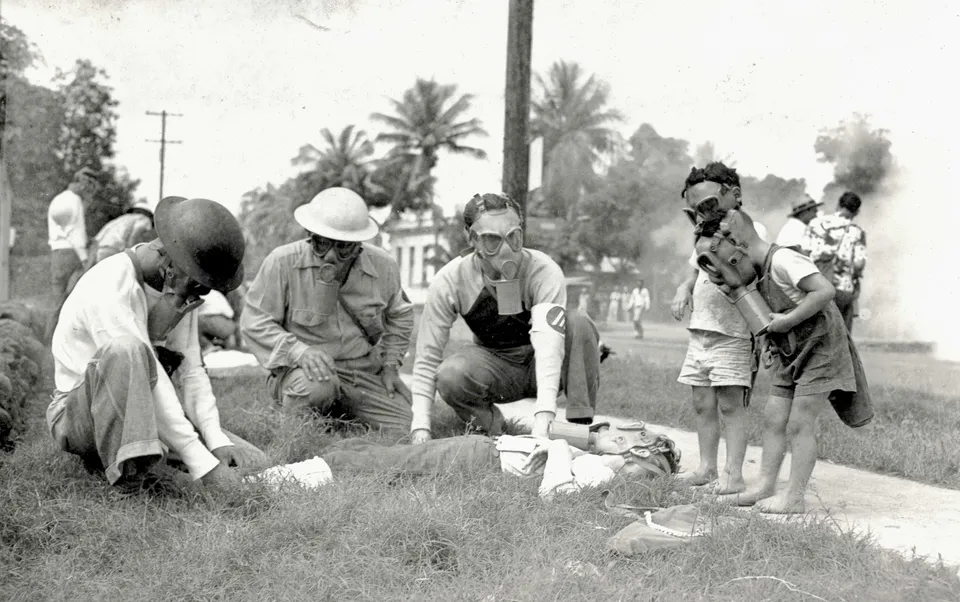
627 451
126 332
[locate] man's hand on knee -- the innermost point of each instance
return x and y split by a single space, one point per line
392 382
317 364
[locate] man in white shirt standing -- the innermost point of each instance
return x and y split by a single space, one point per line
802 212
127 332
638 304
66 225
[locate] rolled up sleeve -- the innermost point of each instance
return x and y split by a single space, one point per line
262 318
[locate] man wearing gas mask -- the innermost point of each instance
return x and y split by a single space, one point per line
788 303
526 343
327 316
130 385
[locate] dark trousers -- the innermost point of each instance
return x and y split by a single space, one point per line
467 454
473 379
848 310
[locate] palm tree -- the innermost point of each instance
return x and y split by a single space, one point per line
343 161
429 118
570 113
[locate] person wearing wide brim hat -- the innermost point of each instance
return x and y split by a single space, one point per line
328 317
127 329
801 212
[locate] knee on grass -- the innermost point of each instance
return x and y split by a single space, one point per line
302 395
457 384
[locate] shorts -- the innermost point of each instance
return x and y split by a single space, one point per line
717 360
822 364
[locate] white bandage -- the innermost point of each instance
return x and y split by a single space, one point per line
548 326
310 474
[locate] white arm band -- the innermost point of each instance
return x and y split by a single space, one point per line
548 323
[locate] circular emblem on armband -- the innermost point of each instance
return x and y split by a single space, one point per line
557 319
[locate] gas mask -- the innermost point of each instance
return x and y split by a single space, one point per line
725 262
505 262
338 257
179 296
709 212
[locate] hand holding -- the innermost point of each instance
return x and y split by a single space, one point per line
541 424
419 437
780 323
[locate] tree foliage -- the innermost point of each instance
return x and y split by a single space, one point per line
343 161
49 134
569 111
860 155
429 118
266 216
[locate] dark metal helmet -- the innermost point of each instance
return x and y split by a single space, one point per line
203 239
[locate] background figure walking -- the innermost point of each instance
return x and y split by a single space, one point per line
639 303
613 306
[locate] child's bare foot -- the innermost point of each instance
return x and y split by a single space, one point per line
729 484
699 477
748 497
782 503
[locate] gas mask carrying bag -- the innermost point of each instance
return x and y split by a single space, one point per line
372 326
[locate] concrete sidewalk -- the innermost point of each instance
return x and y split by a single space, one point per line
901 515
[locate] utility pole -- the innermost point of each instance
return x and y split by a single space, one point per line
163 141
516 150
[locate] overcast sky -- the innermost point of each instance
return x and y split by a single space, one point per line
254 82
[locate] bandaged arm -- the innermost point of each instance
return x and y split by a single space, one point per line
548 323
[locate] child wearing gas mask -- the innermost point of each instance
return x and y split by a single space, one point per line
808 347
626 451
719 364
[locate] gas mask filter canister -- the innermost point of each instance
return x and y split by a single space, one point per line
508 289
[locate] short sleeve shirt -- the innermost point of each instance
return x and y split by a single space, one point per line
788 268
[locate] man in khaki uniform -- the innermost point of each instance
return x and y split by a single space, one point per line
326 315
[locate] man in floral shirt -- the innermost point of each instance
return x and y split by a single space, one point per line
839 248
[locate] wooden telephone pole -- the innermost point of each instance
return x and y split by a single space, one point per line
163 142
516 149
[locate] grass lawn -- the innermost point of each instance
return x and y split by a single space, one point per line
65 535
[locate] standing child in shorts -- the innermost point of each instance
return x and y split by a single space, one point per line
819 364
719 361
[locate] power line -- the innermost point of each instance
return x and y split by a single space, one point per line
163 142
